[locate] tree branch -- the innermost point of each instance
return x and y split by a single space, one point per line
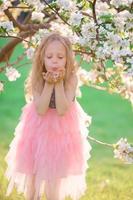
95 18
86 14
6 51
12 19
84 52
55 11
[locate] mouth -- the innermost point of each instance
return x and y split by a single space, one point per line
55 68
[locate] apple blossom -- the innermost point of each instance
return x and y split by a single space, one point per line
6 25
30 52
123 151
12 74
37 16
75 18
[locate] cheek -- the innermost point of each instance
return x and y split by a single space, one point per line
47 63
63 63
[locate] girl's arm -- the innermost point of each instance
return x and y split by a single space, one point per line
42 101
64 96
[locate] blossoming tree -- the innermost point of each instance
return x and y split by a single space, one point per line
101 32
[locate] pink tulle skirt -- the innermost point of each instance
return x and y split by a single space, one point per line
53 149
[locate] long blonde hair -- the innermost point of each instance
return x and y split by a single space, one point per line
35 81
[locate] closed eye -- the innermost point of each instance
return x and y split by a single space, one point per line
60 57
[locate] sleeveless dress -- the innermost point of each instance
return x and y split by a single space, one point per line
51 147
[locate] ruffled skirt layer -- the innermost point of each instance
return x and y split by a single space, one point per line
51 148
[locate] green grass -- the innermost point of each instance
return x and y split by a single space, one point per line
112 118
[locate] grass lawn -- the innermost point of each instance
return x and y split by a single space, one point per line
112 118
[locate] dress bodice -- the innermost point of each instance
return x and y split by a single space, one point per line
52 100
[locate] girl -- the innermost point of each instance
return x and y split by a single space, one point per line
49 152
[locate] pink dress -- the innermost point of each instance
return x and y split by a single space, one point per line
51 147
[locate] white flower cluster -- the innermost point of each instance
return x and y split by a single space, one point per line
12 74
30 52
118 3
86 76
121 20
127 79
64 30
115 47
7 25
88 31
124 151
38 16
75 18
5 4
66 5
102 6
36 4
38 7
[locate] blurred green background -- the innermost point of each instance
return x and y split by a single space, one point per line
112 118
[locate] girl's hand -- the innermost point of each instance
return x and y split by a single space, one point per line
60 75
48 77
53 77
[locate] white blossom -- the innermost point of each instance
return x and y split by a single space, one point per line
5 5
115 56
32 1
127 79
125 52
102 8
38 6
129 23
82 41
66 5
118 3
122 20
89 30
37 16
124 151
63 30
30 52
114 40
12 74
103 51
75 18
87 76
7 25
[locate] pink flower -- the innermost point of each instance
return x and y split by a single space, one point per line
12 74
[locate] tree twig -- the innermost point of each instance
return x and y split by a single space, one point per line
100 142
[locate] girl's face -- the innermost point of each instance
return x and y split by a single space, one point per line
55 56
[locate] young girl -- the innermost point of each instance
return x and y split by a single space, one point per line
49 152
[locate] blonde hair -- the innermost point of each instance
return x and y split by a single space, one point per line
35 81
